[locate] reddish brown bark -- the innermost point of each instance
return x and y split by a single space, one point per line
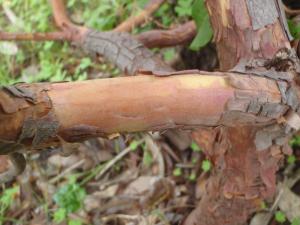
75 33
165 38
255 107
151 39
156 103
235 36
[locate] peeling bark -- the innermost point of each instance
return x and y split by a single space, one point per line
34 114
254 108
241 179
122 49
241 35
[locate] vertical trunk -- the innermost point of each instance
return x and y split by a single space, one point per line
242 176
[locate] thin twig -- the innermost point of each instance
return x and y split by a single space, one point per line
66 171
116 159
292 12
74 33
167 38
137 20
156 153
60 15
51 36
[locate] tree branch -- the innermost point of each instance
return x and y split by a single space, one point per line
35 114
137 20
166 38
51 36
74 33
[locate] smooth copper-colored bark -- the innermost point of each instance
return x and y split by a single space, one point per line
35 114
143 103
106 106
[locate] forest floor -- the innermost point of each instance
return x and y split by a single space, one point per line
143 178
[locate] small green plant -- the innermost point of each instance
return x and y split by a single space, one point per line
6 200
69 198
74 222
296 221
134 145
294 29
147 158
295 141
206 165
194 160
192 176
280 217
169 54
195 147
263 205
291 159
177 172
184 7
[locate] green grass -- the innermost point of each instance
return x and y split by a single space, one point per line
53 61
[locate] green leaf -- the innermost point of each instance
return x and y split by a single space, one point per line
195 147
296 221
169 54
147 159
291 159
201 18
70 197
134 145
294 29
8 195
295 141
263 205
206 165
84 63
184 8
280 217
193 176
60 215
194 160
74 222
177 172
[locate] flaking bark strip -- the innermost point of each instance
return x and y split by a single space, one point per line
20 92
282 67
251 106
283 19
39 130
262 13
123 50
29 108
